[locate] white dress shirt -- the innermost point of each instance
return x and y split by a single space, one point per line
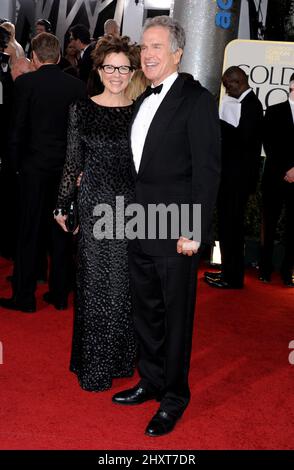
230 109
291 102
144 118
83 51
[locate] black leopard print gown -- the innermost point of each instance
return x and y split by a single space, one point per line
103 345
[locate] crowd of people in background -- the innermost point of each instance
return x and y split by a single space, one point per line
64 124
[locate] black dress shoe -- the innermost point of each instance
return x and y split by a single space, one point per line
289 282
265 278
162 423
12 304
58 304
213 275
222 284
133 396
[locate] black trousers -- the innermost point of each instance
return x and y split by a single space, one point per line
164 293
275 195
38 195
231 207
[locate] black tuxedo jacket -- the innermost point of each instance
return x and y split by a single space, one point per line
241 146
181 158
85 64
278 133
39 127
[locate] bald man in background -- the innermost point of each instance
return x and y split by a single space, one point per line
111 27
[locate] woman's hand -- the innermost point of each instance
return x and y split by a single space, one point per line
60 219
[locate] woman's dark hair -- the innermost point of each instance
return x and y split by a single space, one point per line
111 44
4 38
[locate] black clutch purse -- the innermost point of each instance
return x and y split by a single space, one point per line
72 220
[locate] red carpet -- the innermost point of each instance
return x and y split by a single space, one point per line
241 379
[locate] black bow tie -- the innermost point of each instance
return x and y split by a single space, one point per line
156 90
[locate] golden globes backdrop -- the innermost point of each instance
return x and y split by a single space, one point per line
268 64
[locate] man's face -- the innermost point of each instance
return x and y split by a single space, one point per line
158 61
232 85
40 29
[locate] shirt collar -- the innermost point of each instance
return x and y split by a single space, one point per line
167 82
245 93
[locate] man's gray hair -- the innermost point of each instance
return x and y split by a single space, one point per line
177 33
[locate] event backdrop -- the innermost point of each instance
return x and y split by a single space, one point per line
268 64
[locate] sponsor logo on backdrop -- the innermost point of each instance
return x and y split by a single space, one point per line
223 18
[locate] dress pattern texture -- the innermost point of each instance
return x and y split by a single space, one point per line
104 345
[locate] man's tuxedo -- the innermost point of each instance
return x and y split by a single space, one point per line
180 164
278 132
180 160
37 151
85 63
241 150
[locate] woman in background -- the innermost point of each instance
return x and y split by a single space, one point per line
14 49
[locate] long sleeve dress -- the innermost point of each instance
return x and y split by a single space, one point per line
104 345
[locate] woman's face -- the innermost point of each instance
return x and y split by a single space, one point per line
116 82
71 49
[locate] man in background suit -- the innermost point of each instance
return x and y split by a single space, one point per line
37 152
241 149
277 185
80 38
176 150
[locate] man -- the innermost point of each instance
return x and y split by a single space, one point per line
241 149
80 38
277 185
43 26
20 66
6 93
37 152
111 28
175 145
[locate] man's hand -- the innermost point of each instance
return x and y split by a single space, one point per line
289 177
187 247
60 219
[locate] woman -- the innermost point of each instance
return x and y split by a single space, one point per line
103 340
138 85
14 49
71 55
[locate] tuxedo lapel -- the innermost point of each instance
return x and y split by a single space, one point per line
288 115
163 116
